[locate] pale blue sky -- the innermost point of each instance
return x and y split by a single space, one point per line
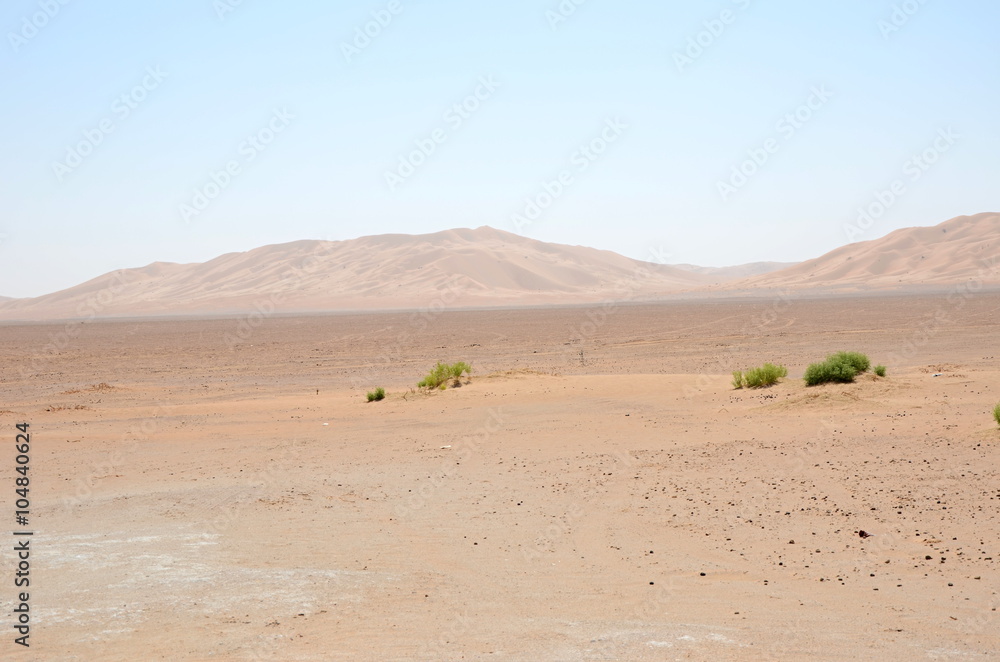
655 187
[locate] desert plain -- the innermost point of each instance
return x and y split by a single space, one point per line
597 490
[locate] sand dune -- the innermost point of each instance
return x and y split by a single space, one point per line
460 267
962 249
485 267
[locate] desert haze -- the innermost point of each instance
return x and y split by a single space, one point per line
491 268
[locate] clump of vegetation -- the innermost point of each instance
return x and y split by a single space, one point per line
829 371
440 375
766 375
738 379
879 370
856 360
996 414
841 367
376 395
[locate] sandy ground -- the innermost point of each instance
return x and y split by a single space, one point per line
220 490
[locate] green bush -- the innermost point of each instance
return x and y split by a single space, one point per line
880 370
738 379
440 374
376 395
856 360
996 414
841 367
828 371
459 369
766 375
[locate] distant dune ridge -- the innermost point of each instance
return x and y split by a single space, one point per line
964 248
489 267
463 267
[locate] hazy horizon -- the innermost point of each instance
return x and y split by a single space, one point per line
179 133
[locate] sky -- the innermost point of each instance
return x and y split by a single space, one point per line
714 133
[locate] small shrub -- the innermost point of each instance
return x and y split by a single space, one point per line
841 367
766 375
437 376
996 414
829 371
440 374
458 369
880 370
376 395
856 360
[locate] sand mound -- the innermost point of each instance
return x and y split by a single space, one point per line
481 267
485 267
962 249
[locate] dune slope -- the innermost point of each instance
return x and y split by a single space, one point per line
962 249
459 267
